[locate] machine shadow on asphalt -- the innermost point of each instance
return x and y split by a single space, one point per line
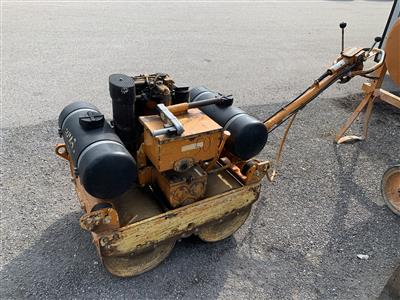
57 258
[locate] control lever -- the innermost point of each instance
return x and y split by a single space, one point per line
377 39
172 124
342 25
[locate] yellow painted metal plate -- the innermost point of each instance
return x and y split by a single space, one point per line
176 223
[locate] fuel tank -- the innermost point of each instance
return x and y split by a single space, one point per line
248 135
105 167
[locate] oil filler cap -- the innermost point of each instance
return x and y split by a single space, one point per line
91 120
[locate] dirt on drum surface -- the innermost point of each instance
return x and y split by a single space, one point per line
301 240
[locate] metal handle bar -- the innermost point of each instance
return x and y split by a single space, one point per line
375 52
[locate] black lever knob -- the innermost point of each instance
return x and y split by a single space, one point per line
376 40
342 25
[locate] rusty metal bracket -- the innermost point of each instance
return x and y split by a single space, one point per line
102 220
61 151
257 172
225 135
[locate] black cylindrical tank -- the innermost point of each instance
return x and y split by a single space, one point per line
122 92
248 135
105 167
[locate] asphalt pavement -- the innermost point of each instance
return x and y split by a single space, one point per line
305 232
57 52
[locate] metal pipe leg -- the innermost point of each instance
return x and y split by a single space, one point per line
367 116
353 116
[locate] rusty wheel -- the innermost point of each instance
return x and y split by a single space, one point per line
138 263
218 231
390 188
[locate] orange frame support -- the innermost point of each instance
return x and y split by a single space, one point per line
373 89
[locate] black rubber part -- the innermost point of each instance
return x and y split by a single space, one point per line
71 108
107 171
105 167
92 120
77 138
248 135
247 166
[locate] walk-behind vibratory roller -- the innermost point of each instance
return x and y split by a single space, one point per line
174 161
